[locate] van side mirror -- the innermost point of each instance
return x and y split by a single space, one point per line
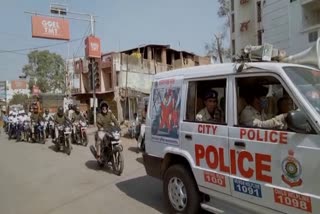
298 122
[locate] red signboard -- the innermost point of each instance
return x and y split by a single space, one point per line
18 84
93 47
50 28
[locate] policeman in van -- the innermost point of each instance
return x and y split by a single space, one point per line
211 112
253 114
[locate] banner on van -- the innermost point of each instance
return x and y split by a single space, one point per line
165 110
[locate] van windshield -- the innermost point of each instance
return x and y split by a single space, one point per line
308 83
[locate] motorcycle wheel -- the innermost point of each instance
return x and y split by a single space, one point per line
117 161
84 140
68 147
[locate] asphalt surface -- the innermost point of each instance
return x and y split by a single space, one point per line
34 179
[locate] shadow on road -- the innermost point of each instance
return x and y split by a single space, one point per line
139 160
133 149
146 190
92 164
53 148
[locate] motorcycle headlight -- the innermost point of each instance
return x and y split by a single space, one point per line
116 135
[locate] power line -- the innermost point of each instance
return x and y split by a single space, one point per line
84 36
39 47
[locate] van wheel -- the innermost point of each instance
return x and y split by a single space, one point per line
181 191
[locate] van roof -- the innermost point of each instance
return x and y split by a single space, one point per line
220 69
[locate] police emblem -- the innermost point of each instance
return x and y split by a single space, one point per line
292 170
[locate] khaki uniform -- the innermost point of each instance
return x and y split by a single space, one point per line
76 118
35 119
104 122
58 120
204 116
252 118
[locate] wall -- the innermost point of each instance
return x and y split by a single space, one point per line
283 26
243 13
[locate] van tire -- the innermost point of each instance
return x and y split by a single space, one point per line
193 196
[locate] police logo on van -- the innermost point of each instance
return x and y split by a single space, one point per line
292 170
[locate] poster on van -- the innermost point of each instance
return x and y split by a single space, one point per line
165 110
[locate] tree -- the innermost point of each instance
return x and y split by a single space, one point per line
216 48
46 70
19 99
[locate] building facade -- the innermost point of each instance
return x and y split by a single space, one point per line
291 25
125 77
245 24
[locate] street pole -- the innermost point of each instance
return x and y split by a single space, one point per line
93 80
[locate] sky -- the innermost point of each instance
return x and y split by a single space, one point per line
121 25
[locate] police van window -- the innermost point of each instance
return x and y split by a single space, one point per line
206 101
262 102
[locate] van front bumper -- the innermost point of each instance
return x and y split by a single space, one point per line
152 165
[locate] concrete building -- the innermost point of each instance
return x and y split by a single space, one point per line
292 25
16 87
126 77
245 24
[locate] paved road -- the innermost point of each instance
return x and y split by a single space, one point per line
34 179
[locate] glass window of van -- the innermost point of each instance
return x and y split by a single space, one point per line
206 101
263 102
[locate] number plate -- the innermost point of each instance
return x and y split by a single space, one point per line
247 187
291 199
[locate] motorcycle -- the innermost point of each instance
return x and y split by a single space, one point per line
39 135
19 131
81 133
49 128
26 132
63 142
12 130
111 150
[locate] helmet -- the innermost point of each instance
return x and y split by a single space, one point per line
104 104
60 110
46 111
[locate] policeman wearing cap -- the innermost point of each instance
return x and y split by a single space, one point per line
210 113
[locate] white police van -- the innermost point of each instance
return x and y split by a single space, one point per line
226 166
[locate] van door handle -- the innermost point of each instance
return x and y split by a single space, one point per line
239 144
188 136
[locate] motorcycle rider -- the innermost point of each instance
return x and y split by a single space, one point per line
36 118
59 119
76 118
47 118
21 118
104 121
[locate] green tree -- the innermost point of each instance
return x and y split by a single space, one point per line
46 70
217 48
19 99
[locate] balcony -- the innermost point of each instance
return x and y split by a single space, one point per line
311 4
311 20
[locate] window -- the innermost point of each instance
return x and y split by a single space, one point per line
232 23
259 11
259 37
206 101
313 36
260 99
233 47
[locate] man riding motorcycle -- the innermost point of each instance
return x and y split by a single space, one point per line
104 121
36 118
76 118
59 119
47 118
